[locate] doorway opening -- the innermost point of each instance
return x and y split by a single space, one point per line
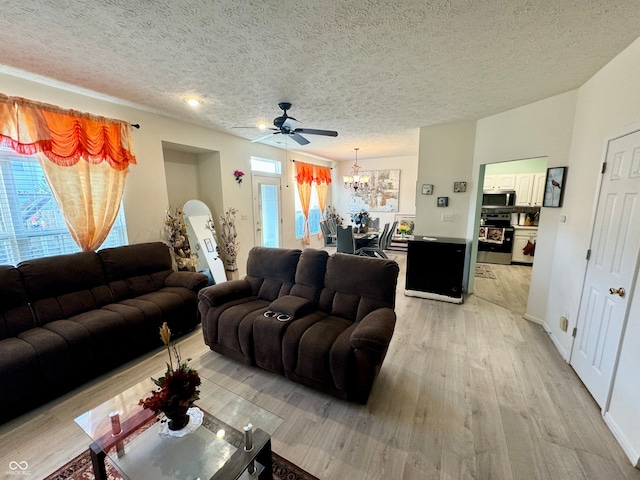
507 234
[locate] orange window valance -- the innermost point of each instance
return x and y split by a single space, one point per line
308 173
64 136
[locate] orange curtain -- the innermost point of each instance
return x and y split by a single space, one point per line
85 159
322 177
304 178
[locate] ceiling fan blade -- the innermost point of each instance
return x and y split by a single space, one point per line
290 123
327 133
264 137
299 138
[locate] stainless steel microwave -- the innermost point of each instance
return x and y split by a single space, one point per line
498 198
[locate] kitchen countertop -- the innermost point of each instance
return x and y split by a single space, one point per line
524 227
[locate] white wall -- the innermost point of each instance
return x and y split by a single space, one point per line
608 106
446 156
181 169
408 166
145 195
541 129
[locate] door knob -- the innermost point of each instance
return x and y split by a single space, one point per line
620 291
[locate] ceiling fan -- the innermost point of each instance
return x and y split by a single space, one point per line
286 125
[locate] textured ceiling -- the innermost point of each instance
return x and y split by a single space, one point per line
374 70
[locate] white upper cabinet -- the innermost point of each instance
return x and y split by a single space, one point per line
530 189
538 188
524 189
500 182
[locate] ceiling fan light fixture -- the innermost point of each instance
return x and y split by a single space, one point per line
193 101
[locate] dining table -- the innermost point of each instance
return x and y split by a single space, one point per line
364 239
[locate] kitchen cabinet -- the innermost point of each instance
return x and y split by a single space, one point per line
530 189
506 181
520 238
524 189
435 268
538 188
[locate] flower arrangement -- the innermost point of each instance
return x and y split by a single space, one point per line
177 239
177 389
332 214
229 235
238 174
404 229
361 218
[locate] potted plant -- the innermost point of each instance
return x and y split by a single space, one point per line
177 389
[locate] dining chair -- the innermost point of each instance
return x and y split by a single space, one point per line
345 240
387 241
329 238
373 248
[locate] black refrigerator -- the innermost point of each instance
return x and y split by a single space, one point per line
435 268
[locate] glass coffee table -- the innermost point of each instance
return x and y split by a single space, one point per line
143 448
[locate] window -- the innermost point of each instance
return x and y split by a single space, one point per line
31 225
266 166
314 213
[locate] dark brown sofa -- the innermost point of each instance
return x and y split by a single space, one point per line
341 317
68 318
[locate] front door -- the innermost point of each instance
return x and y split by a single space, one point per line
266 205
613 262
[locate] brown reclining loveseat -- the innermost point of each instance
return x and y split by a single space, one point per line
322 321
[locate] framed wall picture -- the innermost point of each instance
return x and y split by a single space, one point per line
427 189
443 201
554 187
408 221
382 195
459 187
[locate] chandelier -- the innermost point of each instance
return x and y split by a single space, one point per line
355 180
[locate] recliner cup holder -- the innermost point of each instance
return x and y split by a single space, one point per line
283 317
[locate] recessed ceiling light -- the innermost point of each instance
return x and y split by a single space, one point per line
193 101
262 126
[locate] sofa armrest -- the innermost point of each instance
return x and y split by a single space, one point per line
221 293
293 306
374 331
191 280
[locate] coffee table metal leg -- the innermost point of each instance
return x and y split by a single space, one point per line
97 461
264 458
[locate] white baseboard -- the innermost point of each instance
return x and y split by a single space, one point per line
432 296
533 319
628 449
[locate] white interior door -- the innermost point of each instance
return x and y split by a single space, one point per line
266 210
611 269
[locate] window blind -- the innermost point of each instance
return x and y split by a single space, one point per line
31 224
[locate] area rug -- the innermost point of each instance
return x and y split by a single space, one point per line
484 271
80 469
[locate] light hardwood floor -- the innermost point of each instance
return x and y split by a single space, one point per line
466 391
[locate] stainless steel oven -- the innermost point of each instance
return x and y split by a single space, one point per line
495 238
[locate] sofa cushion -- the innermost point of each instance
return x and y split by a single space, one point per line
355 295
20 373
53 355
309 279
271 271
135 270
64 285
15 314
